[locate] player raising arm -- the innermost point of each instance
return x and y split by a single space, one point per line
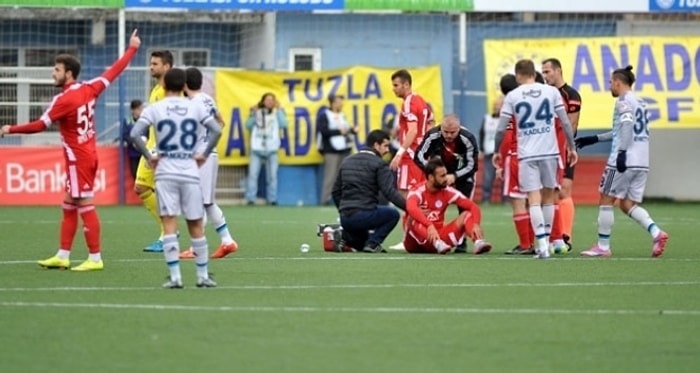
73 110
626 171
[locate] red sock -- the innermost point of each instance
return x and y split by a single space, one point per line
523 228
69 224
556 233
91 227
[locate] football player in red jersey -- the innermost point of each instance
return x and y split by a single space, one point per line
73 110
426 231
415 119
506 163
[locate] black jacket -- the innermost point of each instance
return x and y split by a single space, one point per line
464 164
361 178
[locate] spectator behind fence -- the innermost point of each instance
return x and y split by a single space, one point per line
265 122
487 141
132 153
335 139
361 178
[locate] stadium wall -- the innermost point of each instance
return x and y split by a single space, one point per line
391 41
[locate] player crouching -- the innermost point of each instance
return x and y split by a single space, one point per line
426 231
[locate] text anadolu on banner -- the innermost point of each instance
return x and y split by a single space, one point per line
667 71
369 102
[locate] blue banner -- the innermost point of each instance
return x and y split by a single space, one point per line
679 6
257 5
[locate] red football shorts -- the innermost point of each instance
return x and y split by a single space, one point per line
511 179
409 173
80 178
416 240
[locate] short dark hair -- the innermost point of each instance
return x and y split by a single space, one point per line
553 61
194 78
539 78
70 63
164 56
508 83
175 80
624 75
525 68
332 98
433 164
404 75
135 104
376 137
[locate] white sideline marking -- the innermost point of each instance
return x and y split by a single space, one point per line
368 286
310 309
332 257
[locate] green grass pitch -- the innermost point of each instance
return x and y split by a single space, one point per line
277 309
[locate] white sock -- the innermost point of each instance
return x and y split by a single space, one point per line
63 254
641 216
201 256
171 250
548 214
606 219
218 220
537 221
96 257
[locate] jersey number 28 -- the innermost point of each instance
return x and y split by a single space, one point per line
187 132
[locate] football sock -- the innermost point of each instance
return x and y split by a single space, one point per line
69 224
218 220
171 250
91 228
523 228
556 233
63 254
201 256
537 222
150 202
567 211
548 215
606 219
641 216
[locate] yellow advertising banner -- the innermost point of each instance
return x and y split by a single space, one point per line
667 71
369 102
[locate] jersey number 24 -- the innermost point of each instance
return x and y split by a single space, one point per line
542 114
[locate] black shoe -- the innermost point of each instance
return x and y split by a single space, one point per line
461 249
521 251
338 242
372 247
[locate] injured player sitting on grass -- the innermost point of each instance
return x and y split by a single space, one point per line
426 231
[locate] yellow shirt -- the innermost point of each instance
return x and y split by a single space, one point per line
157 94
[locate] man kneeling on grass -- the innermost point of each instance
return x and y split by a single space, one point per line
426 231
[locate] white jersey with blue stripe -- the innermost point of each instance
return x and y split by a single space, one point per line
209 104
533 106
630 114
177 122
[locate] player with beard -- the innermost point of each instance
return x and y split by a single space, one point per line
426 231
